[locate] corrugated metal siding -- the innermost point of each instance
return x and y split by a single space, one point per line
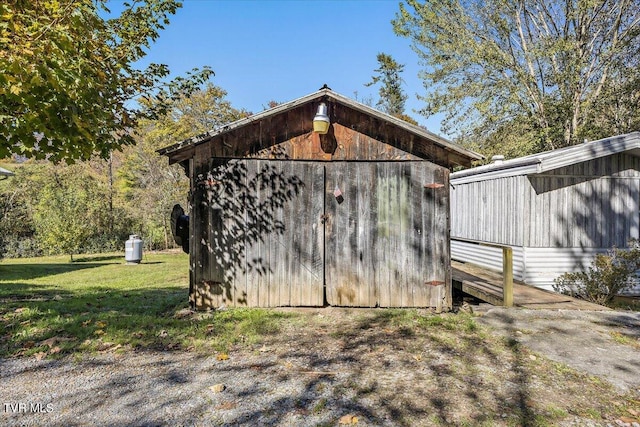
552 160
534 266
563 217
592 205
490 211
543 265
488 257
592 150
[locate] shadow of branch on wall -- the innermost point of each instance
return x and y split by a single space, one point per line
585 209
239 205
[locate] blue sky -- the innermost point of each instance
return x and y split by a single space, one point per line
264 50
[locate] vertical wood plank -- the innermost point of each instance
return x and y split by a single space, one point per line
235 220
406 251
397 223
313 239
275 238
445 298
263 242
343 283
442 251
251 247
383 249
330 229
418 262
281 257
298 222
334 230
507 277
429 237
201 254
222 211
349 281
367 230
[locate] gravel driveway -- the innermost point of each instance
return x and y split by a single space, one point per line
582 339
348 367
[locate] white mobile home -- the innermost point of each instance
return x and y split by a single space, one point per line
555 209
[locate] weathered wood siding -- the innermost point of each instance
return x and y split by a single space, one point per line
275 232
341 143
592 204
387 235
258 234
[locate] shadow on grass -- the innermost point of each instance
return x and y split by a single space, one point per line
33 271
46 321
444 376
99 258
394 367
386 367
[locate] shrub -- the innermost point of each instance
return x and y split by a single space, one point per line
20 247
606 277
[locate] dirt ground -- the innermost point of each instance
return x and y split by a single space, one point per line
332 367
598 343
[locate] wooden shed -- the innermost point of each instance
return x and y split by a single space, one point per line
281 215
556 209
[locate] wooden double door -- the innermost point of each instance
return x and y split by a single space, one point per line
295 233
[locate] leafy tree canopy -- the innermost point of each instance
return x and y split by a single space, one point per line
145 178
69 208
545 66
67 76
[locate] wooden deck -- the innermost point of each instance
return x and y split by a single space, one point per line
487 285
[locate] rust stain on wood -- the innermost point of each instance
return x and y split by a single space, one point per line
434 283
434 185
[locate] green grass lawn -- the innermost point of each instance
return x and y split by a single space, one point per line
50 307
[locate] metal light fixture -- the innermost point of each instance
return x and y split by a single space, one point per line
321 120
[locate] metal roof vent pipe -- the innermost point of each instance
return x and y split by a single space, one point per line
498 159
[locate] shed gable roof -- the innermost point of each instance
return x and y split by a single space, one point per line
295 118
554 159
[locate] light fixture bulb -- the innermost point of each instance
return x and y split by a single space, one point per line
321 120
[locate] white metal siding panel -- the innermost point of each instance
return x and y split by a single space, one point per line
563 216
534 266
551 160
488 257
592 150
543 265
490 211
576 207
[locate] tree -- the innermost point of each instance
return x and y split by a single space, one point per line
16 223
68 76
147 182
69 210
544 65
392 97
